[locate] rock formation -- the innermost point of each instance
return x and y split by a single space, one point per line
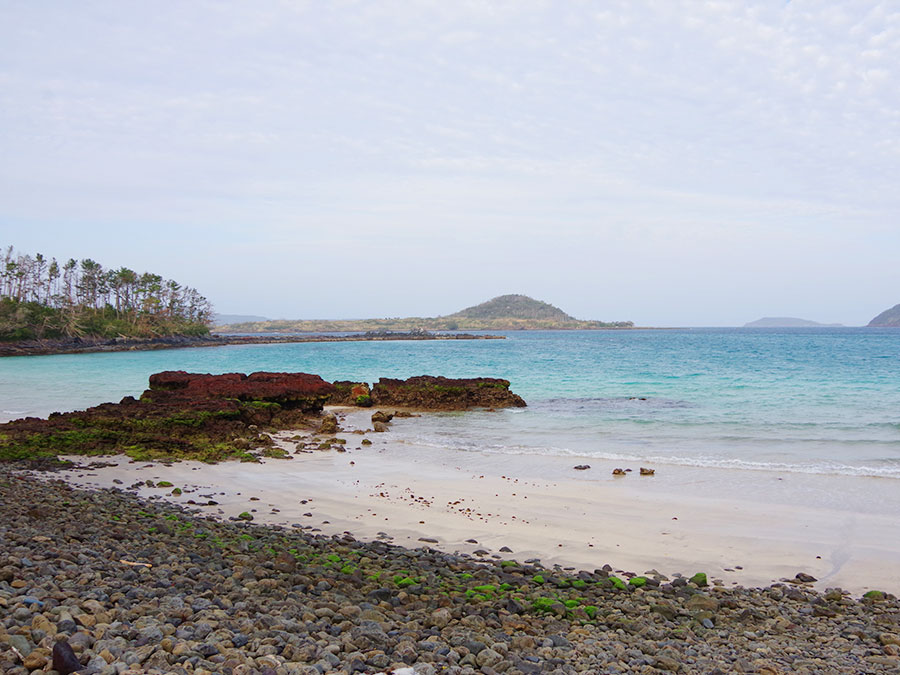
441 393
291 391
351 393
181 415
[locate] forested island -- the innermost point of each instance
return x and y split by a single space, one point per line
43 299
503 313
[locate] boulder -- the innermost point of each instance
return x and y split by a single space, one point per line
441 393
329 424
381 416
351 394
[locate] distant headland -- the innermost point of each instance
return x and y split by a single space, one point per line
889 318
506 312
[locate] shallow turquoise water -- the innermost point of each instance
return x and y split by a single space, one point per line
802 400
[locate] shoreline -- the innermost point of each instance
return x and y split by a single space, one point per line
475 502
95 345
115 582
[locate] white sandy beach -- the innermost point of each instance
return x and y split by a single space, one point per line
472 502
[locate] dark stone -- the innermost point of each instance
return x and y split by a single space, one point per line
64 659
381 594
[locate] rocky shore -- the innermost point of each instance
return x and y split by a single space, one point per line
140 586
83 345
230 416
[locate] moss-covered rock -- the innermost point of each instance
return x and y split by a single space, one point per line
350 394
181 416
699 579
441 393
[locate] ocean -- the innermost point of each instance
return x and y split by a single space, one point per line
813 401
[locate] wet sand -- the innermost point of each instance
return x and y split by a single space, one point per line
471 502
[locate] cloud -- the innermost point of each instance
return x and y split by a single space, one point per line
550 130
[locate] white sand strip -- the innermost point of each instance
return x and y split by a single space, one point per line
634 523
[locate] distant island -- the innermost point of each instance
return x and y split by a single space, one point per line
889 318
224 319
788 322
506 312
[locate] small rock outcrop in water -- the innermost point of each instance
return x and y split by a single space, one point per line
382 416
441 393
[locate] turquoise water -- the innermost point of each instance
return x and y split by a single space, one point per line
818 401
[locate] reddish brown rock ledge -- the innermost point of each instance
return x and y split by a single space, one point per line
181 416
442 393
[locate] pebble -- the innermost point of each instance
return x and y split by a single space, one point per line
245 599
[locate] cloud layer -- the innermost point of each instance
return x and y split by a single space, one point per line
695 163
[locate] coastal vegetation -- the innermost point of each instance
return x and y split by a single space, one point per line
506 312
42 298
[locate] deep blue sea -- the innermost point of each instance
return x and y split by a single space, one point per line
813 400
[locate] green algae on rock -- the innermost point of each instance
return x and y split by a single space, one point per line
441 393
181 416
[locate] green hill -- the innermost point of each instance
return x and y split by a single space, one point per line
889 317
513 307
503 313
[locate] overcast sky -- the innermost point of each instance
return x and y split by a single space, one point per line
671 163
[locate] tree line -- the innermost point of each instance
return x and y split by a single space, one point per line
42 297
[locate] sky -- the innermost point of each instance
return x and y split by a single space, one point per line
670 163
